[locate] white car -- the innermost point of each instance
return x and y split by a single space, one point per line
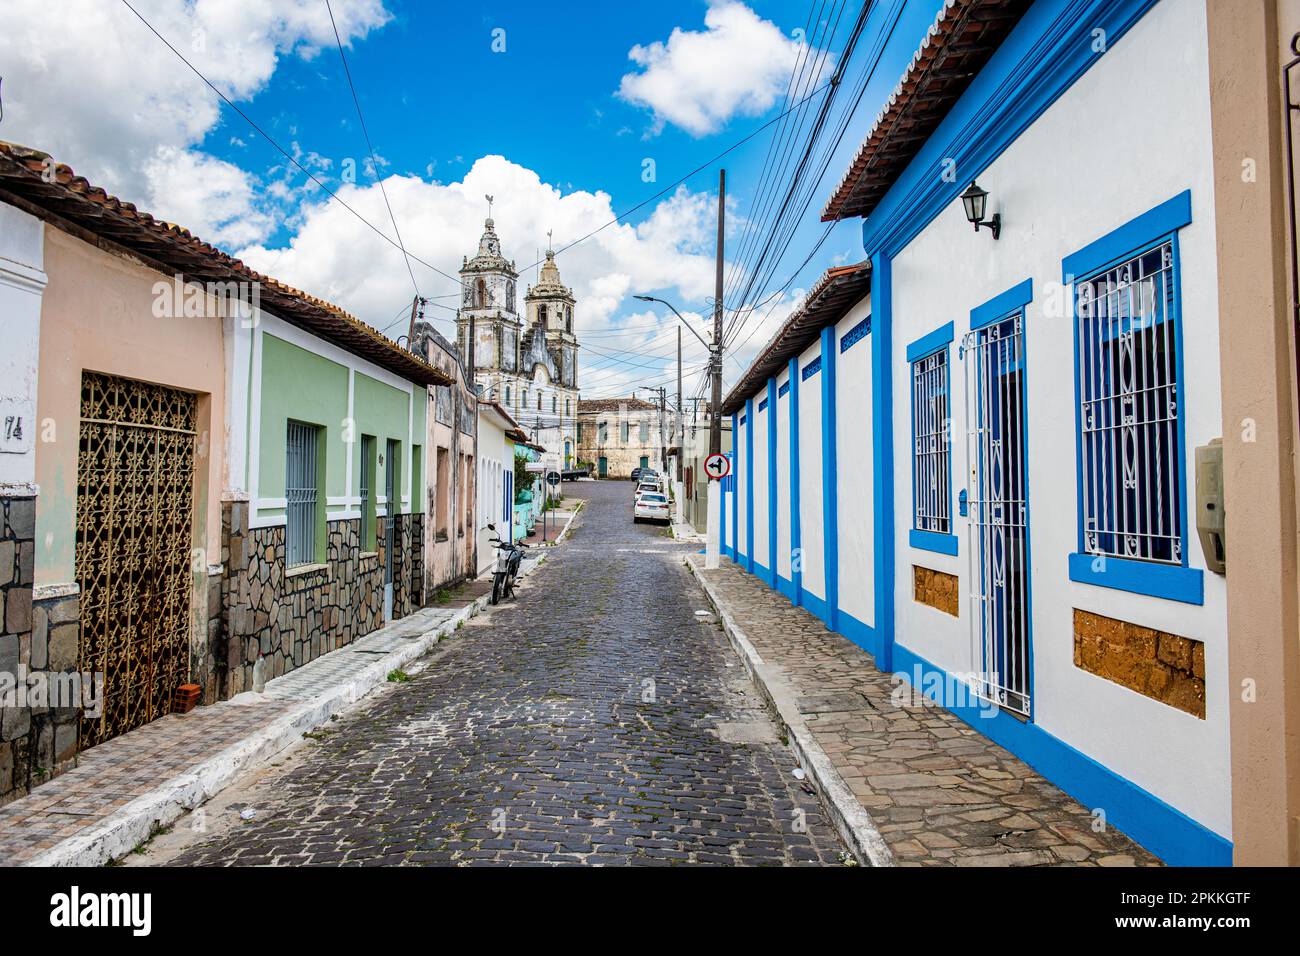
650 486
651 506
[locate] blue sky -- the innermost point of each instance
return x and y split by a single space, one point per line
441 104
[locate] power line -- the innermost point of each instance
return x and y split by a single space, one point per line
287 155
374 162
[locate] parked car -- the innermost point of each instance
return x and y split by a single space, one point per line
651 506
636 473
645 485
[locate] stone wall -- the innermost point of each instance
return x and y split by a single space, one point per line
936 589
37 741
293 617
408 564
1162 666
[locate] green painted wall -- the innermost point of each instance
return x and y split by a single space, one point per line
300 385
384 412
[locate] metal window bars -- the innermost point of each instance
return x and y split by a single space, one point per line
931 456
1129 414
998 531
300 478
367 483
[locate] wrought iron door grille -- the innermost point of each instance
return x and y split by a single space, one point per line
1128 384
998 545
931 459
135 530
300 484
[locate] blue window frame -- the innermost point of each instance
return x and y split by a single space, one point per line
1130 395
932 523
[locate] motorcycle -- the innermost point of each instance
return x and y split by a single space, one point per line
506 568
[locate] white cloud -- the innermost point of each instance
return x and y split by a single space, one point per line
698 80
338 257
91 85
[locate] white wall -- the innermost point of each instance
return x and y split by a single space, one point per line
22 282
855 470
762 529
494 457
1131 133
783 478
811 532
740 467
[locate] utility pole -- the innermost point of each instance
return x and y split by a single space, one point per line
679 429
417 306
713 546
715 423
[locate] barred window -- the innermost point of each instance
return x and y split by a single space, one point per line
1131 445
300 492
931 459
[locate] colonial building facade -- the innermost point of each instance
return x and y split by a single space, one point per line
528 364
202 468
991 456
618 435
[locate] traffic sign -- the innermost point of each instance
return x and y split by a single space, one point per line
717 467
552 478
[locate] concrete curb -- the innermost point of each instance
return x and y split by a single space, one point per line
120 833
850 817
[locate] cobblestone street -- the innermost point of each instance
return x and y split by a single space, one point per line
598 720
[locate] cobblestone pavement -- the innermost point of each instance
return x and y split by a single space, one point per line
939 793
598 720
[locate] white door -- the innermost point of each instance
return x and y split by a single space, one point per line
998 525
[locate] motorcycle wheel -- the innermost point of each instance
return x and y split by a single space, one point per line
496 589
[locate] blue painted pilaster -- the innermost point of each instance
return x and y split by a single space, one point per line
749 486
796 531
882 454
735 488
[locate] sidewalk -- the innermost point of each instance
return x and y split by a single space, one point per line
128 786
908 785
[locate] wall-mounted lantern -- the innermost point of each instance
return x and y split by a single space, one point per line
976 201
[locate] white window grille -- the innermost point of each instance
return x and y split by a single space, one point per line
300 494
931 457
1131 447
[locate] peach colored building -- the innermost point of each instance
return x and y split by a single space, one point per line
126 408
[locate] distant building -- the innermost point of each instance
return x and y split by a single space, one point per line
619 434
529 364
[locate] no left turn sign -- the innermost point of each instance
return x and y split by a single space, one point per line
717 467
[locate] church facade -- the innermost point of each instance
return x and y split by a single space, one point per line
527 363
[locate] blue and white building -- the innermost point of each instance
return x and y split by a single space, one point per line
1013 411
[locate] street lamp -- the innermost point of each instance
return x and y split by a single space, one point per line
975 201
715 368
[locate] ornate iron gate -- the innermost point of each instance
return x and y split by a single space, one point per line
999 513
135 494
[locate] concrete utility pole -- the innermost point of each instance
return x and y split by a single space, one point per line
713 536
715 423
662 394
679 430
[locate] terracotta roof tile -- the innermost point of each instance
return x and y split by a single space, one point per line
31 177
961 40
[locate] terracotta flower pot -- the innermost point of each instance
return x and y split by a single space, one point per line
185 697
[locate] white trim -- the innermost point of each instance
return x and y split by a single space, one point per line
23 277
263 503
347 464
44 592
